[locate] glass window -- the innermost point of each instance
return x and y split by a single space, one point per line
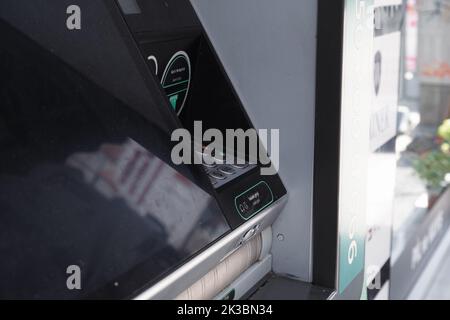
422 147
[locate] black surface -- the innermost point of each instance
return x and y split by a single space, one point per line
327 141
212 98
280 288
227 195
103 51
85 180
161 16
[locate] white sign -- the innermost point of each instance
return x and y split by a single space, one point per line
386 69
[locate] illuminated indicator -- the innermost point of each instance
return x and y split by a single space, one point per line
173 101
254 200
176 80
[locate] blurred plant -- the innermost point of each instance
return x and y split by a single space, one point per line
444 133
434 166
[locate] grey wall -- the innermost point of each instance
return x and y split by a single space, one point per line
268 48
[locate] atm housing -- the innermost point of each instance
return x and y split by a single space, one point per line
167 30
109 89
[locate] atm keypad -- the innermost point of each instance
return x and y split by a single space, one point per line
221 174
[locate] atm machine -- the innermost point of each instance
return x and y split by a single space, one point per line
91 204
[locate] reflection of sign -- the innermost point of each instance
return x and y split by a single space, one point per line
386 64
149 186
407 267
424 243
176 80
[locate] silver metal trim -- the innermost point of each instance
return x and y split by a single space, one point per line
181 279
248 279
332 296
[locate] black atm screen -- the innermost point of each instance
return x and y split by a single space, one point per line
85 185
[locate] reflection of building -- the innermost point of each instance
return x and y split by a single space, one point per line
434 60
418 222
131 173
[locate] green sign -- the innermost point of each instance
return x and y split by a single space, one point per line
355 139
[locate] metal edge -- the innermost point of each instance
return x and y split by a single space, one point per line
189 273
248 279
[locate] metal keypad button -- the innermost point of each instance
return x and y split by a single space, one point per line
209 165
240 166
228 170
217 175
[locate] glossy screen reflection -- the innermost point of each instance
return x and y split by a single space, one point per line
84 181
150 188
